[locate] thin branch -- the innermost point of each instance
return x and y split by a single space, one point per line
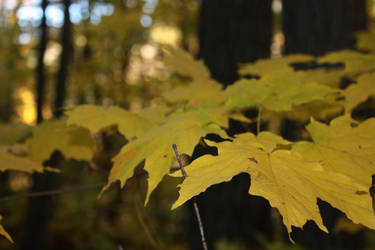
142 222
259 119
196 209
52 192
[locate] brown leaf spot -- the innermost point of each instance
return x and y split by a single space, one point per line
253 160
359 192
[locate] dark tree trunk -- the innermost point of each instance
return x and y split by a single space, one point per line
64 62
318 26
40 81
232 32
40 210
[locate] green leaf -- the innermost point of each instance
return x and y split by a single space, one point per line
5 233
359 92
183 63
263 67
11 162
11 133
355 62
155 146
366 41
155 114
197 94
96 118
276 91
343 146
73 142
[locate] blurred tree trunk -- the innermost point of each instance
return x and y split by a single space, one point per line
318 26
40 79
232 32
40 209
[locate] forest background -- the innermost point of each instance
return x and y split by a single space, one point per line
56 55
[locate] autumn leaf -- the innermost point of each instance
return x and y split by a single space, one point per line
197 94
11 162
183 63
343 146
184 129
11 133
268 92
359 92
155 114
96 118
5 233
263 67
355 62
73 142
291 183
366 41
233 158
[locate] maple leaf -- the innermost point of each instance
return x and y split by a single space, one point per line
183 63
156 114
291 183
359 92
11 162
96 118
331 78
73 142
268 93
366 41
197 94
233 158
355 62
11 133
263 67
5 233
343 146
184 129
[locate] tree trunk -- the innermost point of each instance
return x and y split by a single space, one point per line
40 209
318 26
40 81
232 32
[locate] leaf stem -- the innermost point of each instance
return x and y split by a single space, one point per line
258 119
196 209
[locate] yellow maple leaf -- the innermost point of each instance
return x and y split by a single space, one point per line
96 118
267 92
11 162
184 129
73 142
183 63
233 158
291 183
5 233
366 41
343 146
359 92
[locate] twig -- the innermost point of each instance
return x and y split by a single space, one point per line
196 209
258 119
142 222
52 192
